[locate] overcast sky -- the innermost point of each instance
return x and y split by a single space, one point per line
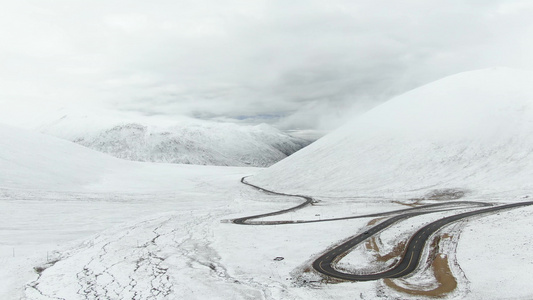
296 64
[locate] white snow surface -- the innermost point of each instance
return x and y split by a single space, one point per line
471 131
157 138
31 160
131 230
79 224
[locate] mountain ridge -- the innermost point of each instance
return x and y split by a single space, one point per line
167 140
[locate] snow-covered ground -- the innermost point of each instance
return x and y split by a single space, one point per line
78 224
493 253
54 192
187 252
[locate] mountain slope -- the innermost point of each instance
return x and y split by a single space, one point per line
30 160
155 139
472 131
199 144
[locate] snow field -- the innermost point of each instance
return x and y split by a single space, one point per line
495 254
188 252
128 230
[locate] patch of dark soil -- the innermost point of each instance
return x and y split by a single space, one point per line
445 194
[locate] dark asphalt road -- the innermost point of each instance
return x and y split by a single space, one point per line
324 264
243 221
308 201
411 257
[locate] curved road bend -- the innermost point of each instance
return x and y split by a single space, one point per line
325 263
309 200
242 221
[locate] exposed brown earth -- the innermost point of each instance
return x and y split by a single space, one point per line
439 265
413 204
445 279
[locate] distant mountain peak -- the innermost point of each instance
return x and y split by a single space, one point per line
156 139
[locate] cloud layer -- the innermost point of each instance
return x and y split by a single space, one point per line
297 64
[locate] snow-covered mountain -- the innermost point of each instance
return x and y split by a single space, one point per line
30 160
155 139
35 161
199 144
471 132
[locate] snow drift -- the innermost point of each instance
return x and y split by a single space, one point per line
472 131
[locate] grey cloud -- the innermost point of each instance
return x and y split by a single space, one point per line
310 64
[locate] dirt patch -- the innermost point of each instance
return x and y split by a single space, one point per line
374 221
445 194
396 252
372 245
411 203
439 264
445 279
40 269
438 194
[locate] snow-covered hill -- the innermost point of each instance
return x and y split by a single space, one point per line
34 161
472 131
53 192
200 144
156 139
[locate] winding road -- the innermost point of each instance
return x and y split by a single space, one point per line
325 264
411 257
